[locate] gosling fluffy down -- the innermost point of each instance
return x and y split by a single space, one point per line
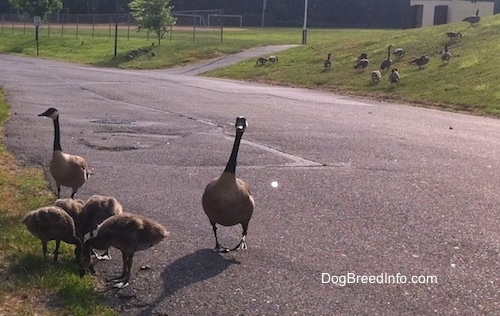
53 223
127 232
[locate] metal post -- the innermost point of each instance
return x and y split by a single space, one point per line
264 5
36 38
116 28
221 24
194 25
304 28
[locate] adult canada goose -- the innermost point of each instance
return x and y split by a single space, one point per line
473 19
328 62
227 200
453 34
386 63
394 76
399 52
361 64
420 61
261 61
95 211
445 55
53 223
127 232
67 170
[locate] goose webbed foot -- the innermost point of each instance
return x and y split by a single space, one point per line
121 285
104 256
219 248
119 282
241 246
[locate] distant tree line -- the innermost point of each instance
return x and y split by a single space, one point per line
282 13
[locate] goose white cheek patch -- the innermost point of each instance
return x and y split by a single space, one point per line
274 184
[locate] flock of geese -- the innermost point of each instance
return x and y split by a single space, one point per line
226 200
394 77
362 61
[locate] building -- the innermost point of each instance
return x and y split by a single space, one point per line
435 12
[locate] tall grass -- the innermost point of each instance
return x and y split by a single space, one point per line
29 284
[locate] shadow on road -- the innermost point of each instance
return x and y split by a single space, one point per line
198 266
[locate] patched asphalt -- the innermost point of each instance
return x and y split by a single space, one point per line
365 188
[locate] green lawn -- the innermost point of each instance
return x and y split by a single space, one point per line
468 83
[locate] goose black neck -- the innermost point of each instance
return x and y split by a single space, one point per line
57 135
231 164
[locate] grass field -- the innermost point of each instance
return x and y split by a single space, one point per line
468 83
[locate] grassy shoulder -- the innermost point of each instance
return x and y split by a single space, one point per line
30 285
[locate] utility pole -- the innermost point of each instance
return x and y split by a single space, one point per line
264 6
304 28
116 28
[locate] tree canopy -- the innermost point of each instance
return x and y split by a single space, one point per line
153 15
41 8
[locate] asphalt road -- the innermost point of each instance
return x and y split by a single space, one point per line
365 188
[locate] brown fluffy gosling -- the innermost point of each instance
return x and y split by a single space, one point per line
53 223
127 232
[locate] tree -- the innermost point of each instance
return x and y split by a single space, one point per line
41 8
153 15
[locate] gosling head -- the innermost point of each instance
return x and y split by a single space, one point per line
51 112
241 124
84 264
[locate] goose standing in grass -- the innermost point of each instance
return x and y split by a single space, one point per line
362 62
127 232
328 62
399 52
472 19
453 35
386 63
394 76
53 223
376 76
95 211
445 55
67 170
261 61
420 61
227 200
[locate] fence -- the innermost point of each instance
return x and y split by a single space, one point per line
65 24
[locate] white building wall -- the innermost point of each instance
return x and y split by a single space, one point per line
457 9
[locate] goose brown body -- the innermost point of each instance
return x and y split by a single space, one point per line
127 232
67 170
52 223
227 200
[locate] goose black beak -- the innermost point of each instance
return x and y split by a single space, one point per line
48 113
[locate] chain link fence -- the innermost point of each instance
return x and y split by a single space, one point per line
77 25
